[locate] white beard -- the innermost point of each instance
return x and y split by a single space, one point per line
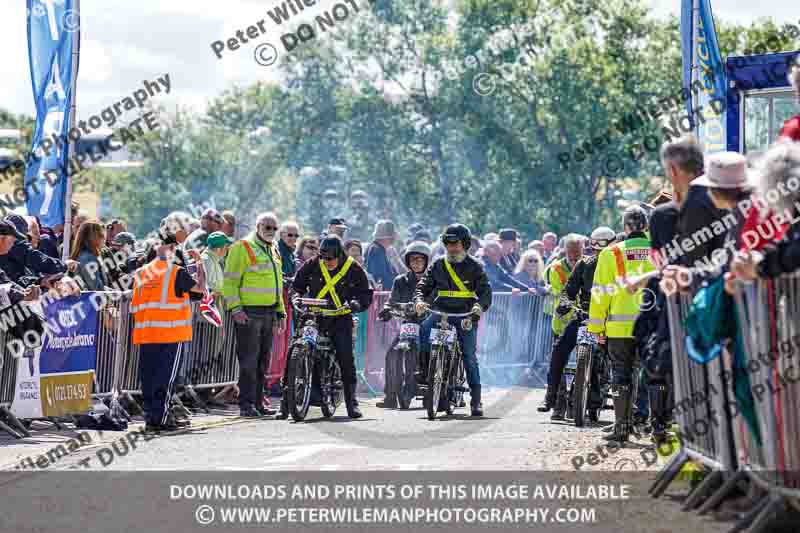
456 258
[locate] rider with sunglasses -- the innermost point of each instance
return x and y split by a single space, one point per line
340 280
578 288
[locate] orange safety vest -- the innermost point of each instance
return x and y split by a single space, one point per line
159 315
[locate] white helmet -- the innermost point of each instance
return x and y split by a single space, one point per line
602 237
418 248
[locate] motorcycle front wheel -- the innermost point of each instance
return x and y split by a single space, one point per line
435 381
299 382
407 384
580 386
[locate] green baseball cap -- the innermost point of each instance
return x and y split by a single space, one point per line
218 240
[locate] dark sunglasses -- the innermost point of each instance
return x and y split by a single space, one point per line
533 260
292 235
270 228
312 247
326 257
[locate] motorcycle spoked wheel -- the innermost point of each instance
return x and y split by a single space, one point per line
406 384
435 381
332 389
456 380
299 382
581 383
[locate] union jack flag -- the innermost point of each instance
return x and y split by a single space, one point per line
209 309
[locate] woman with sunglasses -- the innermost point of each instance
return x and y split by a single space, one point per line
529 271
306 250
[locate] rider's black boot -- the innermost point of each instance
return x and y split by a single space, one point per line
283 414
594 417
421 373
560 407
623 407
658 412
475 400
549 400
350 401
389 401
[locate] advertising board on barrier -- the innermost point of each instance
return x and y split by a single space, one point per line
55 379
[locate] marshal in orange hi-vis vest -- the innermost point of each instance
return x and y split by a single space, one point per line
159 315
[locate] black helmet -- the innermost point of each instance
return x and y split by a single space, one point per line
635 218
417 248
331 247
457 232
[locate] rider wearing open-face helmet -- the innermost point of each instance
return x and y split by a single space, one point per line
458 284
416 257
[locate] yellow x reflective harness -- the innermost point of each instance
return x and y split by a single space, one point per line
462 291
330 286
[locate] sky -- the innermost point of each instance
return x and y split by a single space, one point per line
124 43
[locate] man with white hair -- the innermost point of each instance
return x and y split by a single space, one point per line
499 279
287 244
253 291
556 275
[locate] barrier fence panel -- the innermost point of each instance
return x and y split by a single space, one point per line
770 312
8 373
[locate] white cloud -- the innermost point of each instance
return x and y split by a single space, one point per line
126 42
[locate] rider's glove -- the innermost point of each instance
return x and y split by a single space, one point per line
385 314
477 311
419 308
355 306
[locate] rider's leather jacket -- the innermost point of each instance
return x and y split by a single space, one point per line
403 292
437 278
308 282
579 285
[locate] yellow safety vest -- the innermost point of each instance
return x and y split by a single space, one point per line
462 291
330 286
613 310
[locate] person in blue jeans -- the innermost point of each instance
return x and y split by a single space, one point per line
458 284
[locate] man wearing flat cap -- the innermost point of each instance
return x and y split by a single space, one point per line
508 242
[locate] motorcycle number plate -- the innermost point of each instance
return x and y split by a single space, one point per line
310 333
584 337
569 378
409 330
440 336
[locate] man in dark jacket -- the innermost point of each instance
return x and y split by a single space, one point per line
416 257
578 288
376 260
508 242
458 284
23 262
342 281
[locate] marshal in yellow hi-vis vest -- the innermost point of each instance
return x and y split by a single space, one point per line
330 287
557 275
613 310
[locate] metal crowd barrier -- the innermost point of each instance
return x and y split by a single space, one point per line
514 335
763 446
700 403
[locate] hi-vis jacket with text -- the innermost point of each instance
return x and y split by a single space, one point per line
558 273
613 310
253 275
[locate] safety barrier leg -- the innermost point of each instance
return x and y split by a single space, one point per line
12 421
669 473
700 491
189 391
5 427
130 404
721 493
775 505
752 514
